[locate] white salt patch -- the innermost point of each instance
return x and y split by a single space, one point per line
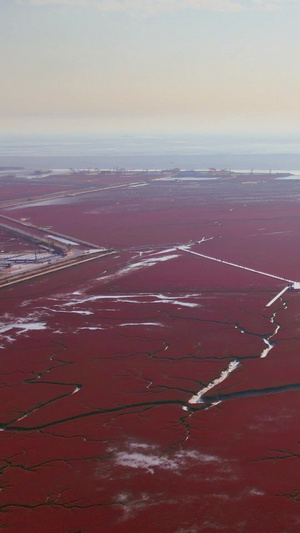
23 327
256 492
166 300
19 326
124 300
266 351
137 266
142 445
197 398
136 298
266 340
142 324
84 313
92 328
181 460
8 339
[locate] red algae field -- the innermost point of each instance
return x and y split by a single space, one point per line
153 390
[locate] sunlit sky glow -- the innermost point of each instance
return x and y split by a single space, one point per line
104 66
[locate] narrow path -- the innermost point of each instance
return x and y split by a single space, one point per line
64 194
185 249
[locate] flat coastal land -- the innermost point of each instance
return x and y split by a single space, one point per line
155 385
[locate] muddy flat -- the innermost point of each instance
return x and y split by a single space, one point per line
153 389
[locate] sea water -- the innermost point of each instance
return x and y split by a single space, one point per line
150 152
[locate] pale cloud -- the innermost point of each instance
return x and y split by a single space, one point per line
160 6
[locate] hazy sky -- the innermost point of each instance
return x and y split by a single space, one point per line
149 65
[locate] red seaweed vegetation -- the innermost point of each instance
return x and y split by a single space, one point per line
152 390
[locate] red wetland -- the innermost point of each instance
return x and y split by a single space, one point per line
153 390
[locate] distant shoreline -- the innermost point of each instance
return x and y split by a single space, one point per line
259 162
14 175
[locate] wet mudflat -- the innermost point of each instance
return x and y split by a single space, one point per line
153 390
